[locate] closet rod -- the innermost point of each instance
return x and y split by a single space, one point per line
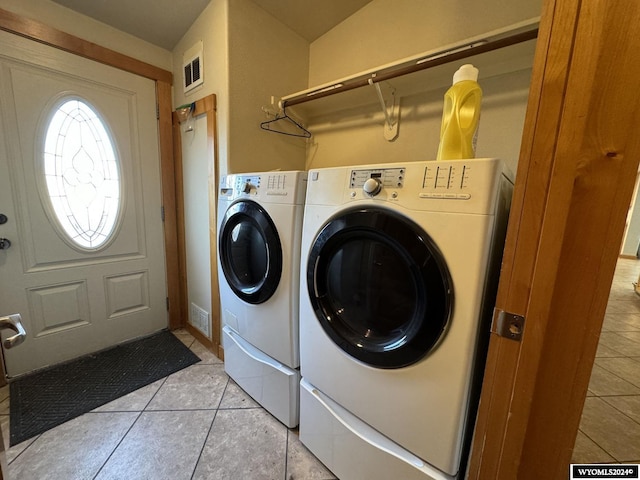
393 72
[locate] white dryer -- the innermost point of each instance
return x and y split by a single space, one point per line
398 275
259 234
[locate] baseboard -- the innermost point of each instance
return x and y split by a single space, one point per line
206 341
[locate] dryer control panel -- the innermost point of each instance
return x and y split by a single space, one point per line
465 186
388 177
372 181
247 183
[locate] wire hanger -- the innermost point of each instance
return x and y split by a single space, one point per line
280 121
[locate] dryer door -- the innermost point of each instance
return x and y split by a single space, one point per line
379 287
250 252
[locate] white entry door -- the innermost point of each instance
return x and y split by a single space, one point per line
80 190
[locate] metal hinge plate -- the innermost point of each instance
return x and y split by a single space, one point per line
507 325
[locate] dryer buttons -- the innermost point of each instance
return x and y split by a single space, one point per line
446 196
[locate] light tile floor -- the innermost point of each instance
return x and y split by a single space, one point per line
195 424
198 424
610 425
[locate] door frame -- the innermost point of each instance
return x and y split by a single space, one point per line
576 174
42 33
204 106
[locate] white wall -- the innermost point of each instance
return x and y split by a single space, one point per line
211 27
403 28
248 56
89 29
631 240
196 199
266 59
387 30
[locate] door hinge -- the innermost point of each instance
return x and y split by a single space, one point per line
157 111
167 304
507 324
162 213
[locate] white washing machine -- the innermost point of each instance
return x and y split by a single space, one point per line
398 275
259 234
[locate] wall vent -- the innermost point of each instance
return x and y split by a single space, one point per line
199 318
192 67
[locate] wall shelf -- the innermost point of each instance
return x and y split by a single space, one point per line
498 52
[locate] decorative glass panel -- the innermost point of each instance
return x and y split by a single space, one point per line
82 174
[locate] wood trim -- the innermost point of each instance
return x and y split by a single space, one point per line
171 221
576 177
214 172
53 37
181 235
500 370
205 106
198 335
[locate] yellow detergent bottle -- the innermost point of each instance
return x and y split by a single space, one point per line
460 116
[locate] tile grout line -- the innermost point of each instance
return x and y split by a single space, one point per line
618 293
140 412
286 453
118 444
25 449
206 438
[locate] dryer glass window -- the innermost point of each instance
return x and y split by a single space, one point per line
250 252
372 289
379 287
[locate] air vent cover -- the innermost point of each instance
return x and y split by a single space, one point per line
193 67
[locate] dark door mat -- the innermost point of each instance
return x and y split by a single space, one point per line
47 398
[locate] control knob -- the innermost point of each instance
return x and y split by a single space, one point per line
247 187
372 186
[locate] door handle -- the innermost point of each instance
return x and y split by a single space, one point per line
13 322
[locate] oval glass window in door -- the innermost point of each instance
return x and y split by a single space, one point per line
82 175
